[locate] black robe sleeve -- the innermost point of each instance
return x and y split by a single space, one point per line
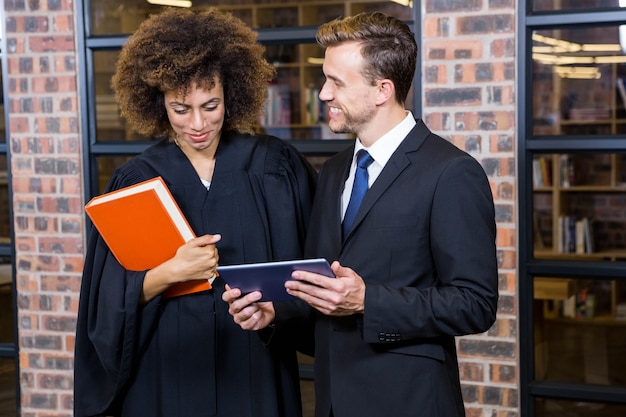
107 321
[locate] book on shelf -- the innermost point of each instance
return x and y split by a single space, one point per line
620 311
277 110
575 235
622 90
579 236
143 227
313 105
566 170
588 236
542 172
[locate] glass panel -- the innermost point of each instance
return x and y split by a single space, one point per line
553 5
578 206
308 398
106 166
546 407
307 386
578 81
110 127
580 330
124 16
7 322
5 222
3 132
8 390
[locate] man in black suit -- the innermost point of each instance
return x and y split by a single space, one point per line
416 267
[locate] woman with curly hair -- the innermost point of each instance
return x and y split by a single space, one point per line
196 82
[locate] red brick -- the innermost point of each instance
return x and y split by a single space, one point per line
56 44
506 237
471 371
62 283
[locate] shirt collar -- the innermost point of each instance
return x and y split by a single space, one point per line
387 144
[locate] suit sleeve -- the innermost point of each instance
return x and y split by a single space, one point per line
462 295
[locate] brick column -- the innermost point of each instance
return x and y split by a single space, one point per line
468 55
45 150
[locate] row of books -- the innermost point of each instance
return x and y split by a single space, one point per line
542 171
581 305
314 106
575 235
278 106
589 113
277 110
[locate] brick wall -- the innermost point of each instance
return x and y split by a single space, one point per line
468 52
48 198
468 66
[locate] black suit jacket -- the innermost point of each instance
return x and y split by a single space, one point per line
424 243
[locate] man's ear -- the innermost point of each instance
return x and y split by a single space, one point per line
386 91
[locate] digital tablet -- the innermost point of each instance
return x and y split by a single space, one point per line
270 277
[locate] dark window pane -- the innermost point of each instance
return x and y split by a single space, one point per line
122 17
8 390
578 206
578 81
7 325
3 132
106 166
569 5
307 390
580 330
5 231
546 407
110 126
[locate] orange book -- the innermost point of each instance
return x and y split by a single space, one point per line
143 227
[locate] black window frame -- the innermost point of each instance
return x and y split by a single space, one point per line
529 266
7 250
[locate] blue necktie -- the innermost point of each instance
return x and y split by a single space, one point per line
363 160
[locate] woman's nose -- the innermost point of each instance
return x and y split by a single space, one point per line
197 121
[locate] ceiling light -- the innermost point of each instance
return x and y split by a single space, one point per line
174 3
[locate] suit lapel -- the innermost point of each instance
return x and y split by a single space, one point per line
398 162
337 183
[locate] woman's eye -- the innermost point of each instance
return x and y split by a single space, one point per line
180 111
211 108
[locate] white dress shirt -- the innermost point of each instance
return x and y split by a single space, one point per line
380 151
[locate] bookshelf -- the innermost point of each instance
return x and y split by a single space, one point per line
578 215
583 320
293 110
570 189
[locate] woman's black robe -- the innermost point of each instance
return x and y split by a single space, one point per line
185 356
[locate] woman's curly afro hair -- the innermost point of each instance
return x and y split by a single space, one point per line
173 50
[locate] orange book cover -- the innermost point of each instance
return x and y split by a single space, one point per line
143 227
